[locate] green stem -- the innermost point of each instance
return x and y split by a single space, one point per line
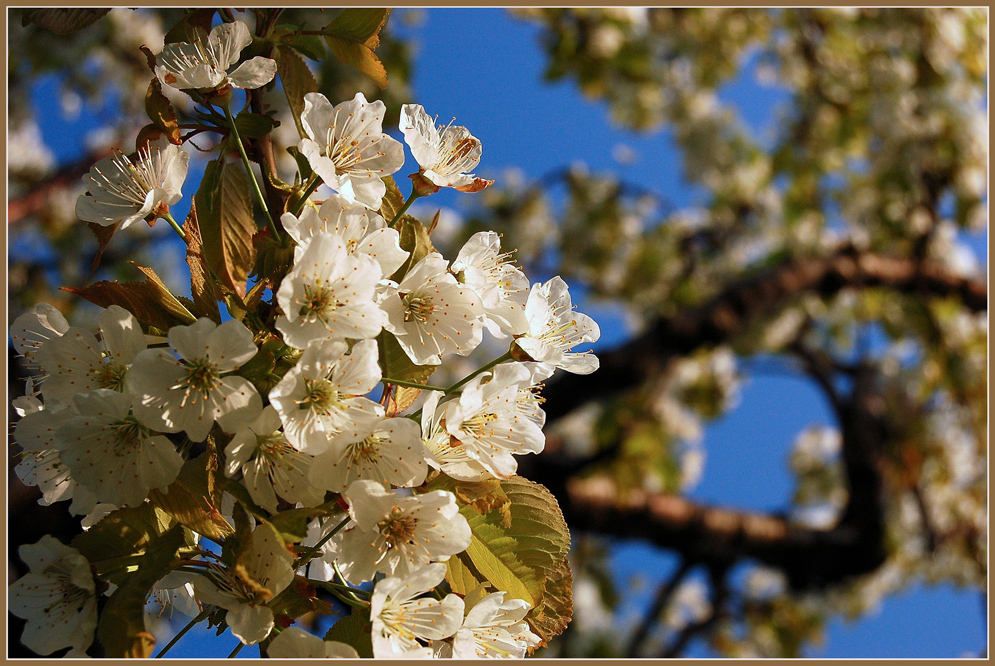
169 218
252 177
238 648
307 557
182 632
405 207
341 595
401 382
312 185
501 359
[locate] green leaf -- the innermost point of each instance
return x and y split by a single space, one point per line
150 301
355 630
224 211
254 125
121 533
414 239
195 25
121 628
292 524
62 21
396 364
517 554
309 45
297 599
352 38
160 111
393 200
187 500
297 81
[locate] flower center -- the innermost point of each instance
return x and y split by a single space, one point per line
398 529
320 396
110 375
417 308
456 148
319 303
273 447
479 425
202 377
368 450
131 182
130 434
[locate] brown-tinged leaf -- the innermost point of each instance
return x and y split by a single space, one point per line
227 225
121 628
150 301
297 599
393 200
202 287
187 500
103 235
297 80
63 21
149 57
551 617
148 133
196 24
400 399
416 241
160 111
352 38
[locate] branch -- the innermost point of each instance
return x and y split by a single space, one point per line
745 302
720 593
663 596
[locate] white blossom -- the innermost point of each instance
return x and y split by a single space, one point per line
431 314
329 294
402 617
320 400
555 329
502 287
295 643
204 65
111 453
270 466
33 329
263 570
120 191
446 155
362 230
346 146
495 628
190 396
395 535
57 597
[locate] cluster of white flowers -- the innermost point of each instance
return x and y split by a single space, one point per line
121 414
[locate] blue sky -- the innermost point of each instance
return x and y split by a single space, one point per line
485 68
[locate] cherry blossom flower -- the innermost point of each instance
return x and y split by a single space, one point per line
401 617
74 362
120 191
172 396
442 451
391 453
494 628
204 65
41 463
431 314
346 146
263 570
32 329
445 154
57 597
295 643
111 453
320 400
329 294
362 230
502 287
554 329
395 535
488 423
270 466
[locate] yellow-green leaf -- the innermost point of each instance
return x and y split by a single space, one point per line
393 200
395 363
187 500
227 225
297 81
355 630
416 241
352 38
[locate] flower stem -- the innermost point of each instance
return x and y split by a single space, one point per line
457 385
312 185
169 219
182 632
252 177
401 382
404 208
309 555
238 648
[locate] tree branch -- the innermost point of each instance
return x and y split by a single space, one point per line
663 596
745 302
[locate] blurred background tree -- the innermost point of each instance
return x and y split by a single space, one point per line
833 250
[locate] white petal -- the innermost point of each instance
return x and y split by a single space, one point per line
253 74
